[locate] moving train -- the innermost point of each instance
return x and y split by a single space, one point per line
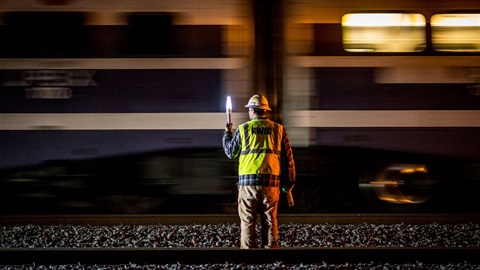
120 107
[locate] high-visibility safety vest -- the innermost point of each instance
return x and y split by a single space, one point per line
261 141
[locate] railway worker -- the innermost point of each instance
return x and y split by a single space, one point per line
260 144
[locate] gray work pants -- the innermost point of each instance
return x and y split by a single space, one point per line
253 200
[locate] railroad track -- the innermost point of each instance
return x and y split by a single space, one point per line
110 256
183 219
201 255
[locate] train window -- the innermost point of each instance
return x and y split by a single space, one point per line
456 32
150 33
155 34
43 34
383 32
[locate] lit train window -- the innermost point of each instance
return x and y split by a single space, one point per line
456 32
384 32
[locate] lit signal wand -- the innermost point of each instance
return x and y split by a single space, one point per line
229 110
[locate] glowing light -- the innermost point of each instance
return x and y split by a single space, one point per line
229 104
456 32
386 183
229 109
414 170
456 20
383 19
422 170
402 199
383 32
401 184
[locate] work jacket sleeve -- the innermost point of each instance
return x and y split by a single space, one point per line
288 155
231 144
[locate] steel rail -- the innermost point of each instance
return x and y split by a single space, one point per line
109 256
184 219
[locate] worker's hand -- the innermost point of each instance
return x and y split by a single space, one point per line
287 188
228 127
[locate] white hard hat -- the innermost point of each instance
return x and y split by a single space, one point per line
258 102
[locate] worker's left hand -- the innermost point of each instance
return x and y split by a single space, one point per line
287 188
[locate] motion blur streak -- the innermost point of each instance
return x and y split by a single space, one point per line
118 106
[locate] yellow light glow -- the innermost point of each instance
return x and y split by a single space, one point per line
385 183
422 170
383 32
383 19
456 32
414 170
456 20
407 171
398 200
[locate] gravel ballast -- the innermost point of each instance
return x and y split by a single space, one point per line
271 266
227 235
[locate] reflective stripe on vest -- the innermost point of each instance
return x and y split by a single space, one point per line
261 147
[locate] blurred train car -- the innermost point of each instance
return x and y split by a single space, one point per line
93 80
119 107
395 76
